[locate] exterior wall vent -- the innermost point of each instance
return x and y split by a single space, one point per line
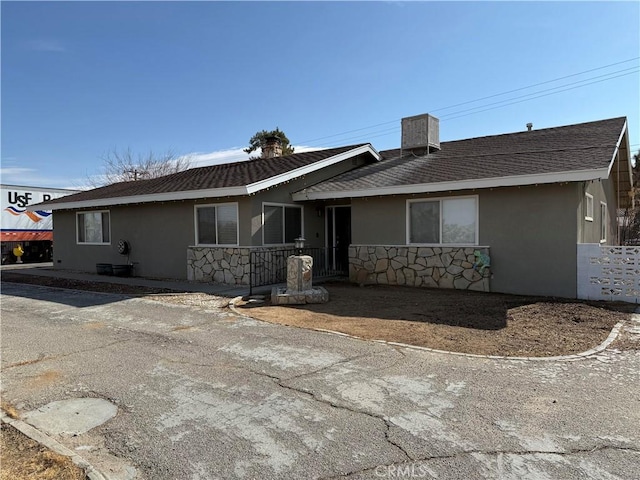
421 131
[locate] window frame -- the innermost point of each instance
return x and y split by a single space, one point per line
603 222
216 205
440 201
84 212
588 199
284 227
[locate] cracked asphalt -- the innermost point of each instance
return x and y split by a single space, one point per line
207 394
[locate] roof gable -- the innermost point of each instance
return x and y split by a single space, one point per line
571 153
230 179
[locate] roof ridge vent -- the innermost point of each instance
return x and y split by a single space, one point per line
421 132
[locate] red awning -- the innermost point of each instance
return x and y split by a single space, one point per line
19 236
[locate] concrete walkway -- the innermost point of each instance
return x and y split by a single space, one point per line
47 270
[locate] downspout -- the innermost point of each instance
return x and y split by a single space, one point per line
618 199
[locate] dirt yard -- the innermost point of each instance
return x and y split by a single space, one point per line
451 320
24 459
454 320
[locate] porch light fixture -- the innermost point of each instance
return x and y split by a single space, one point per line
299 244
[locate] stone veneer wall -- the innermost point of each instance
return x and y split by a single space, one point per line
218 264
441 267
230 265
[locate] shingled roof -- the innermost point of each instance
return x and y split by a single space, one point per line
239 178
584 151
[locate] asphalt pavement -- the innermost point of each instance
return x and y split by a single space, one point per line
205 393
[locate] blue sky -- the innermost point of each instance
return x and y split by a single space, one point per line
80 79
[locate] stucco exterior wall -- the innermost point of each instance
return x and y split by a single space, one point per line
158 240
160 234
531 233
589 231
313 223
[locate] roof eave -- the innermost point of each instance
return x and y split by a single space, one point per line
623 141
212 192
494 182
133 199
313 167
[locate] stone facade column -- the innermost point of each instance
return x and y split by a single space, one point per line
299 273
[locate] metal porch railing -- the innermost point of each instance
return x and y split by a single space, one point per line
269 267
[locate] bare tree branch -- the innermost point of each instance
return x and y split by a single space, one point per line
125 166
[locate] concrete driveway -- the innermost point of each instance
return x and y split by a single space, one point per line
208 394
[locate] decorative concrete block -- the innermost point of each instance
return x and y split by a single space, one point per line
281 296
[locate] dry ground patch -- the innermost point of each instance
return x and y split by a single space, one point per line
455 320
24 459
451 320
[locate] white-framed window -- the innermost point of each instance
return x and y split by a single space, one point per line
603 222
451 220
217 224
93 228
281 223
588 207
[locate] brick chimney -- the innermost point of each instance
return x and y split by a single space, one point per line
272 147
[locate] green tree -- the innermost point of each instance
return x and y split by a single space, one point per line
259 140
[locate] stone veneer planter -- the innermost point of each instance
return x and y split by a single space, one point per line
440 267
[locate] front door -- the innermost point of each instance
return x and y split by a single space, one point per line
338 237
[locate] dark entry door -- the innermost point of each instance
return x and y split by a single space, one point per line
339 237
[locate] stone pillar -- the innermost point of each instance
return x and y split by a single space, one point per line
299 269
299 290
